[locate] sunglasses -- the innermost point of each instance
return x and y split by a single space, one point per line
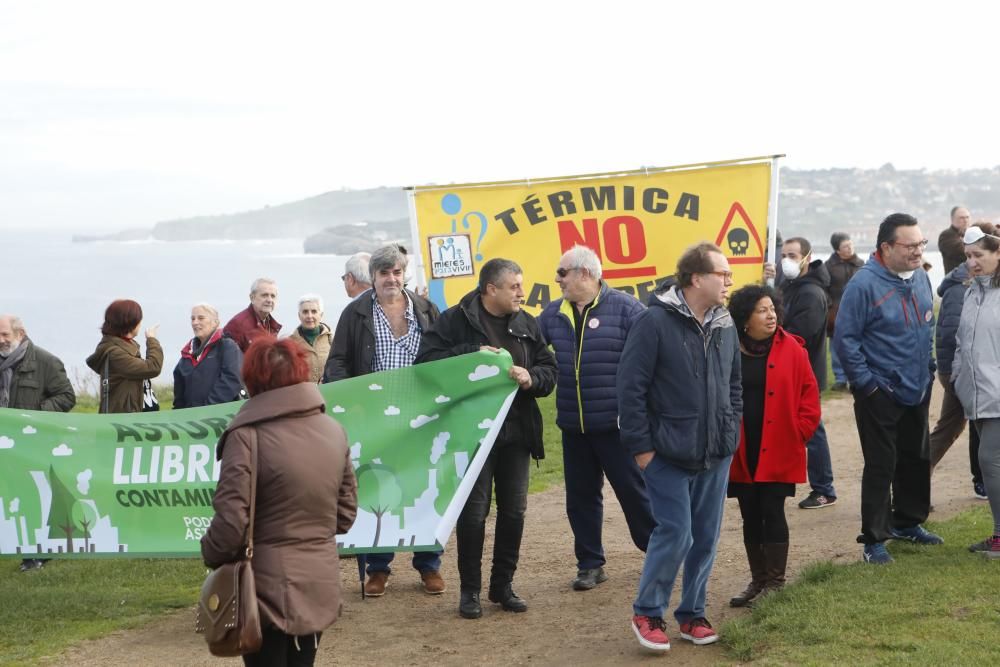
976 234
562 273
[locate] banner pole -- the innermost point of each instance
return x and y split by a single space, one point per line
415 238
772 215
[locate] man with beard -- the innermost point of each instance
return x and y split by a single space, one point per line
30 379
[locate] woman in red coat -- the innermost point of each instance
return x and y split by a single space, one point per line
780 413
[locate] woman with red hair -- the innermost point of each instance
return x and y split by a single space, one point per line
118 359
306 495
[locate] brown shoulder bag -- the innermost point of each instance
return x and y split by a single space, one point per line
227 609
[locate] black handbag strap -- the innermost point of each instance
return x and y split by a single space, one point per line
253 490
106 386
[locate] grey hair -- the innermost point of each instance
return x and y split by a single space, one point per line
582 257
491 272
210 308
311 298
357 267
16 325
261 281
385 258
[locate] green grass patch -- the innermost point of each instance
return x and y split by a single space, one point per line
45 611
548 471
933 606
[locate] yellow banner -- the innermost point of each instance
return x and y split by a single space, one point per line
637 223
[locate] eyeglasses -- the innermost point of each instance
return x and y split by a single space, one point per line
912 247
562 273
725 275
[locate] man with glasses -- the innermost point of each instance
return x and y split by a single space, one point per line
356 278
806 300
587 328
883 336
681 400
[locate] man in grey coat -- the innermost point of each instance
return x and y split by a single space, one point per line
30 379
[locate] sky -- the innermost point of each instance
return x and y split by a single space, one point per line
117 115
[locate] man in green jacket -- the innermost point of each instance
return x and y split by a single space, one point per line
30 379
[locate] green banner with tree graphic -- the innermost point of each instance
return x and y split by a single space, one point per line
141 485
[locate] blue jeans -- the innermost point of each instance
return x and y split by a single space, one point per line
687 506
819 466
587 458
423 561
838 371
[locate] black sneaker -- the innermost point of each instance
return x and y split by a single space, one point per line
29 564
979 490
508 599
587 579
817 501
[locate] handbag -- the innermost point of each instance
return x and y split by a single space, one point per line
227 613
149 402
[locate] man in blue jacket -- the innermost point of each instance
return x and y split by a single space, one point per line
681 401
587 328
883 336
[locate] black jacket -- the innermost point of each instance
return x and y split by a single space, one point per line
952 293
806 302
353 351
460 331
40 383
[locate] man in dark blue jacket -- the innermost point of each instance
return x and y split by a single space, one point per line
681 401
587 328
883 337
951 423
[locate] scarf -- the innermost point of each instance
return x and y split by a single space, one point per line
754 347
7 366
310 335
195 351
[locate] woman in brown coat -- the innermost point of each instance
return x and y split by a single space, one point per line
306 496
313 335
118 359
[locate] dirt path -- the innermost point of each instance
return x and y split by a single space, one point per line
562 626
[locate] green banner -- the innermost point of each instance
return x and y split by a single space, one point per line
141 485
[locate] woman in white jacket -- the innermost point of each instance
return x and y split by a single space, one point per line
976 372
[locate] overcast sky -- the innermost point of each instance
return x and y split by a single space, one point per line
117 115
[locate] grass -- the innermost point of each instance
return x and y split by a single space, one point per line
933 606
47 610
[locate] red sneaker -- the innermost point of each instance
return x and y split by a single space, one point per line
699 631
651 632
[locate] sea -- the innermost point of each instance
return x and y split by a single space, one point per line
60 289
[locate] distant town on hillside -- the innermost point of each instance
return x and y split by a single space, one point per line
812 203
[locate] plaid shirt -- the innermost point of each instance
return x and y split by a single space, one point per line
391 352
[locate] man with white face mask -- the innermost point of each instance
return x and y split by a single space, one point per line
806 303
883 336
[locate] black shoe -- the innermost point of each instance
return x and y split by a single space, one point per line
508 599
29 564
587 579
468 605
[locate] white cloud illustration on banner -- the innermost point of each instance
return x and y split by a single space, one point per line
482 372
83 481
62 450
442 399
440 445
29 430
338 409
391 410
71 428
5 442
486 423
421 420
375 387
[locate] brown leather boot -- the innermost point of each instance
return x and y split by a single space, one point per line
758 575
777 560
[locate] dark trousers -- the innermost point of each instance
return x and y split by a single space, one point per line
763 513
587 458
949 427
896 483
281 650
507 467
